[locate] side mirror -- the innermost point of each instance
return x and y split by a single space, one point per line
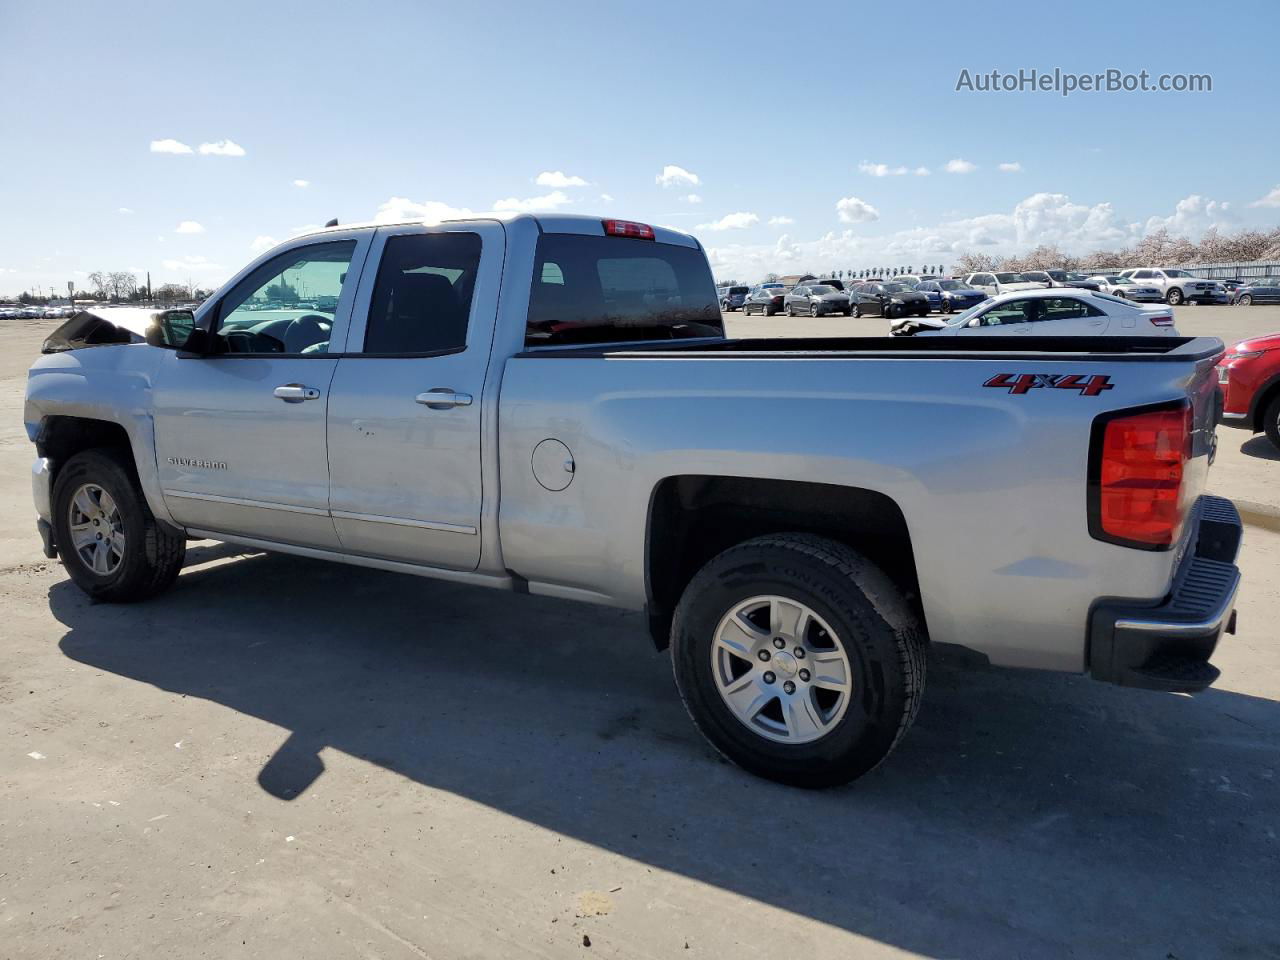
975 322
171 329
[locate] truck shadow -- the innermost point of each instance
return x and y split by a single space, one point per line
1025 814
1260 447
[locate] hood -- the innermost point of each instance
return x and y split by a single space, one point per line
1268 341
97 327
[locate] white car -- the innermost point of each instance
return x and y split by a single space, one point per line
1178 286
1119 286
1061 311
994 284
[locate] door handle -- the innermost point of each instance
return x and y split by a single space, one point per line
296 393
443 398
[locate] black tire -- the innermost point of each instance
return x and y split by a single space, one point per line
1245 301
814 311
1173 297
946 306
1271 421
882 640
847 312
857 311
152 556
791 312
768 312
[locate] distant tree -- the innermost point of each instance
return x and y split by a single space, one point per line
122 284
281 291
101 281
975 263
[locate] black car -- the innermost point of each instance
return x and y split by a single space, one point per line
1069 278
950 296
732 298
815 299
765 301
888 299
1264 290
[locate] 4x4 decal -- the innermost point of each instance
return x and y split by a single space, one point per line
1089 386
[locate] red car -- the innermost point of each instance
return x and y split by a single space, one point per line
1249 386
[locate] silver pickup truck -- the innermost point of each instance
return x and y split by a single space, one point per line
549 405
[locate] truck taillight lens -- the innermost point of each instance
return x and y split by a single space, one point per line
1136 466
628 228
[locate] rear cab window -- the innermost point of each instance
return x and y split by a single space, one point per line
589 289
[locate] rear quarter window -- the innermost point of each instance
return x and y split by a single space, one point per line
616 289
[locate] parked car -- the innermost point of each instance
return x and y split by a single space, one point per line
1249 386
790 522
909 279
1119 286
994 284
764 300
1266 290
948 296
1232 285
815 299
830 282
1049 313
1178 286
732 298
888 299
1072 278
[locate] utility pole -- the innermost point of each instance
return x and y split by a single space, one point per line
148 286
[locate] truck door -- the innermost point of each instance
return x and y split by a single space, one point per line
240 434
405 419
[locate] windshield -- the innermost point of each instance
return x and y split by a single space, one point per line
1061 275
1035 275
737 290
952 285
960 319
1114 280
822 288
1009 277
895 287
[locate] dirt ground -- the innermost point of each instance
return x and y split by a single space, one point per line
289 759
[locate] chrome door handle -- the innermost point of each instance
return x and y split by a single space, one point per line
296 393
442 398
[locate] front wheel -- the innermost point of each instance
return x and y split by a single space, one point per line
946 306
857 311
1173 297
798 659
813 310
109 541
1271 421
1246 301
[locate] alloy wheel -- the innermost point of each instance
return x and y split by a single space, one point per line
97 529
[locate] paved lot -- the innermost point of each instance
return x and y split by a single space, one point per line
283 758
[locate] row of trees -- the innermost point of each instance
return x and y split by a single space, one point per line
1158 248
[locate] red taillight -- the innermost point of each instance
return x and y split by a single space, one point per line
1162 320
777 299
628 228
1136 477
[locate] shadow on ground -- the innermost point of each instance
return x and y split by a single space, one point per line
1260 447
1026 814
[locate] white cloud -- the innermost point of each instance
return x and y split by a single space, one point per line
881 169
1014 167
960 166
605 198
1272 199
222 148
921 171
125 210
169 146
192 265
400 209
731 221
780 221
557 178
302 183
189 226
549 201
853 210
691 198
262 242
672 175
1192 216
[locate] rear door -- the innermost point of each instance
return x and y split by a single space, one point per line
1071 317
405 422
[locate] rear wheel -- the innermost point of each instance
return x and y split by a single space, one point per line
857 311
1271 421
109 541
1246 301
798 659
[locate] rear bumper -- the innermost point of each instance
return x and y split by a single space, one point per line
1167 646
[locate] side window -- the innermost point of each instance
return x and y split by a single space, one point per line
1142 275
287 304
1015 311
1067 308
422 295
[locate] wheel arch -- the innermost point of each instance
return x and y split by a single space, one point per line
1262 398
692 518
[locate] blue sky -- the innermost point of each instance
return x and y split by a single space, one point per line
780 113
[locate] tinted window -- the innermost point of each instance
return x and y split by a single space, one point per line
821 288
1065 308
287 304
1015 311
422 296
737 289
1009 277
618 289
